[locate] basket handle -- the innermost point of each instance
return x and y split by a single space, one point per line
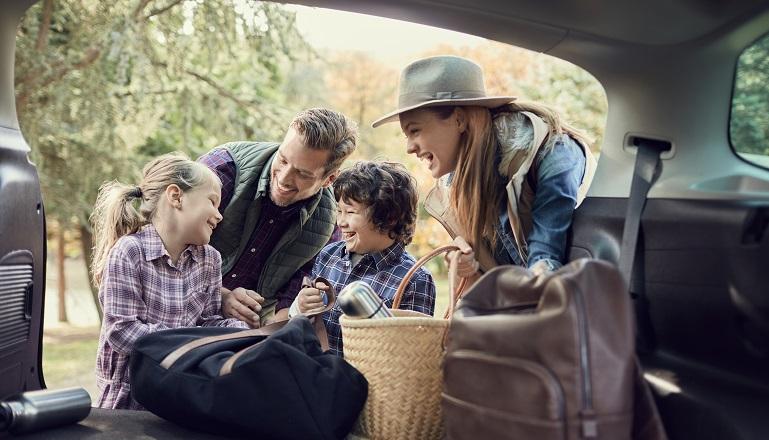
454 290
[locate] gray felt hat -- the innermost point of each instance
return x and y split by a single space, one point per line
441 80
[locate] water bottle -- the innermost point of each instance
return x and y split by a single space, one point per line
36 410
359 300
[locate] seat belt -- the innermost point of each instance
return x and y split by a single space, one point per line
648 167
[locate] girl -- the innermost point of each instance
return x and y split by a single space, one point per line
514 172
154 267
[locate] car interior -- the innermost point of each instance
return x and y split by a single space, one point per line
700 282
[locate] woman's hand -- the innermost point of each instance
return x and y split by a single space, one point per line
467 265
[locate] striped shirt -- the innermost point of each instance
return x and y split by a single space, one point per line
142 292
383 271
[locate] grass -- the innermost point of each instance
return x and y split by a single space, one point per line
70 362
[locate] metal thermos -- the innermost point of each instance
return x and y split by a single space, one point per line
36 410
359 300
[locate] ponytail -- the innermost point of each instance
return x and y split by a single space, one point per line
114 216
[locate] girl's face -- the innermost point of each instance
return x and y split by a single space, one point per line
432 139
199 213
358 232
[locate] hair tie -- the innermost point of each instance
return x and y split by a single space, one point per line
136 192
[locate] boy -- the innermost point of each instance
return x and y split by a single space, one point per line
377 213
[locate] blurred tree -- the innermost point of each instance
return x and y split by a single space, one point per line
749 122
104 86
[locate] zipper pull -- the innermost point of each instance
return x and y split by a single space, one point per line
589 424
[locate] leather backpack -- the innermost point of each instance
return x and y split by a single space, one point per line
546 357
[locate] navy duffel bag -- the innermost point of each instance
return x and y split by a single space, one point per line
241 382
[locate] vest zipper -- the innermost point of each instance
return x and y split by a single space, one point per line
589 426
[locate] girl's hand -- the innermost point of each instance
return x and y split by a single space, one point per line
467 265
310 299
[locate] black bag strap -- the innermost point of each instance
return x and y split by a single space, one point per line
267 330
647 169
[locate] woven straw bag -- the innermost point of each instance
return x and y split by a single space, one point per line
401 358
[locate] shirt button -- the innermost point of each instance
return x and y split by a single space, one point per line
270 221
253 250
234 275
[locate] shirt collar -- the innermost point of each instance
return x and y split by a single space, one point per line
383 259
153 246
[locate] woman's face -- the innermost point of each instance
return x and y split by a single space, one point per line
432 139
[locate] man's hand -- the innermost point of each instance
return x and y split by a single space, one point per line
467 265
242 304
310 299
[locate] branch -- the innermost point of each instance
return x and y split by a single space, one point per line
223 91
45 26
139 8
90 56
159 11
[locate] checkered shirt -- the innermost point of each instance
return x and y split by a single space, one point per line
383 271
142 292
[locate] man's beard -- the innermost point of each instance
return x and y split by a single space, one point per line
282 204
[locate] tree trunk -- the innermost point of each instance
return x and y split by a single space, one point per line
62 280
86 242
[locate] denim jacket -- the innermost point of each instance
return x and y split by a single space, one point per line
548 177
555 177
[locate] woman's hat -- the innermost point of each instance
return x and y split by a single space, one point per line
441 80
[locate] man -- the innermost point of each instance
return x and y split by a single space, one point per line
279 211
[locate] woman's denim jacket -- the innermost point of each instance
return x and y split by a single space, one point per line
552 176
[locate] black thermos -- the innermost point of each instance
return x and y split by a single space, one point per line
35 410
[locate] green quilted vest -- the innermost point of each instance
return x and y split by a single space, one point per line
301 241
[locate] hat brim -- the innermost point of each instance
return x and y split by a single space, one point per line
489 102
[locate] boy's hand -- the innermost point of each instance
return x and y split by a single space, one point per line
242 304
310 299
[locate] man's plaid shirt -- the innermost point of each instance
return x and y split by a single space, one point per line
142 292
383 271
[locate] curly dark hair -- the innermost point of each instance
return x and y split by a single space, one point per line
388 190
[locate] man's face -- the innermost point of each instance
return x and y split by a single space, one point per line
298 172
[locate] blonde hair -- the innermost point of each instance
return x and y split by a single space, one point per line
114 214
477 189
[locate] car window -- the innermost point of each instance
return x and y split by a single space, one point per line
749 123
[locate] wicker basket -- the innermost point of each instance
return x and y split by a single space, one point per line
401 358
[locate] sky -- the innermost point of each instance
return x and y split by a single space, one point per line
394 41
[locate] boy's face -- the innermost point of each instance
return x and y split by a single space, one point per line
358 232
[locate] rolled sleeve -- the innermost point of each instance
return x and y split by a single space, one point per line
558 178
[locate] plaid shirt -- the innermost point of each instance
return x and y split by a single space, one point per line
142 292
383 271
272 224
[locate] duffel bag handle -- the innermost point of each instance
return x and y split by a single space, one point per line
454 289
267 330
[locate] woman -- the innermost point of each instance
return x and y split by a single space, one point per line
509 173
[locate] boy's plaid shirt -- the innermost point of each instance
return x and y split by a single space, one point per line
140 293
383 271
